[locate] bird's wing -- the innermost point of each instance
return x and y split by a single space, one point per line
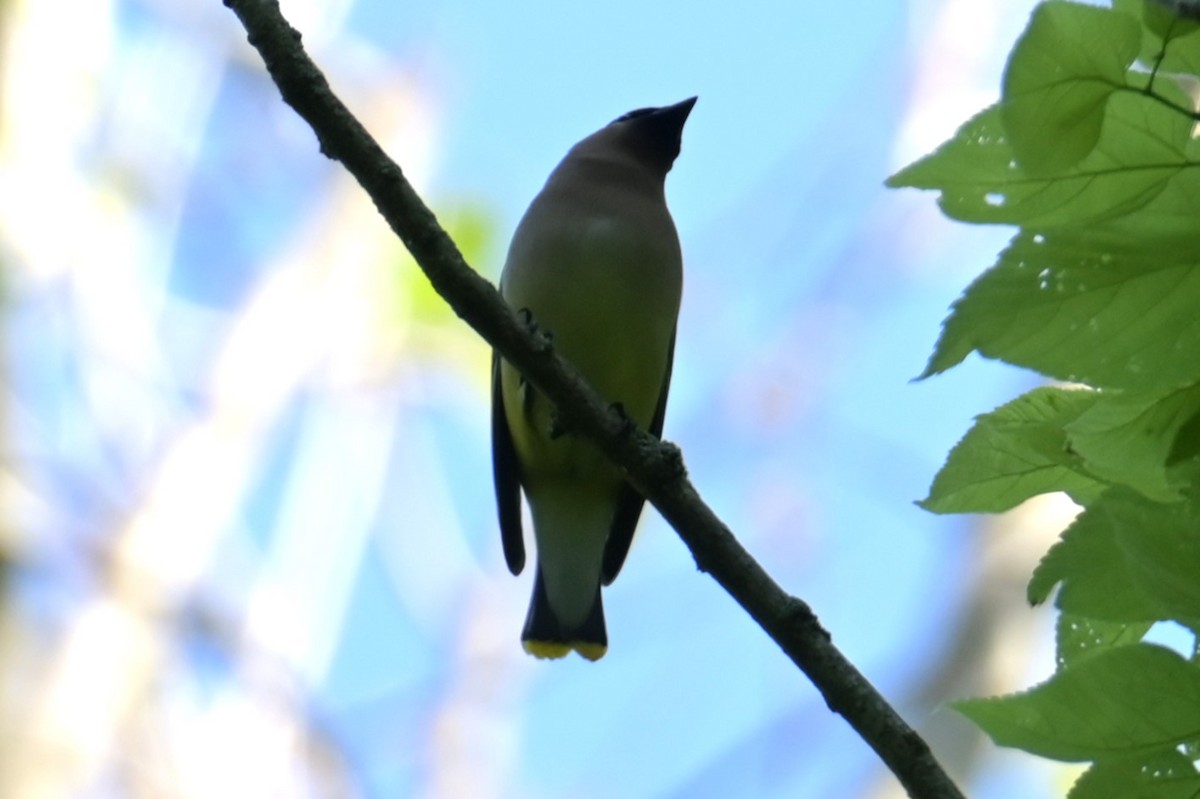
629 501
507 474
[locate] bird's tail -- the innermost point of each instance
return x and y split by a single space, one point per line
545 636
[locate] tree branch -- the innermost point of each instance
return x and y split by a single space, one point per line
654 467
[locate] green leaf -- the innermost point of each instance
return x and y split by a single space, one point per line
1129 438
1013 453
1053 303
1168 39
1125 559
1091 152
1079 637
1181 43
1059 78
1140 152
1186 446
1171 19
1131 699
1160 775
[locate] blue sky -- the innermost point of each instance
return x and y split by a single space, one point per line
325 444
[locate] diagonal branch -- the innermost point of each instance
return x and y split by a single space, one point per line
654 467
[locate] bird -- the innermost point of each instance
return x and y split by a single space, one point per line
596 265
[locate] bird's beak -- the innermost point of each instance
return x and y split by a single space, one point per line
680 111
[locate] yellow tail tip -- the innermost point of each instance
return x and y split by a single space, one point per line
546 650
555 650
592 652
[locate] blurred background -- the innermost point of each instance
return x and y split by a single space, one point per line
247 540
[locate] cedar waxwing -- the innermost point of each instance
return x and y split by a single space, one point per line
596 264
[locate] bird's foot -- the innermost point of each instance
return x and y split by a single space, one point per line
540 333
558 427
627 423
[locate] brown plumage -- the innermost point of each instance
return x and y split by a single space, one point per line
596 262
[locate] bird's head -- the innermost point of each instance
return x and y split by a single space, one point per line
651 136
